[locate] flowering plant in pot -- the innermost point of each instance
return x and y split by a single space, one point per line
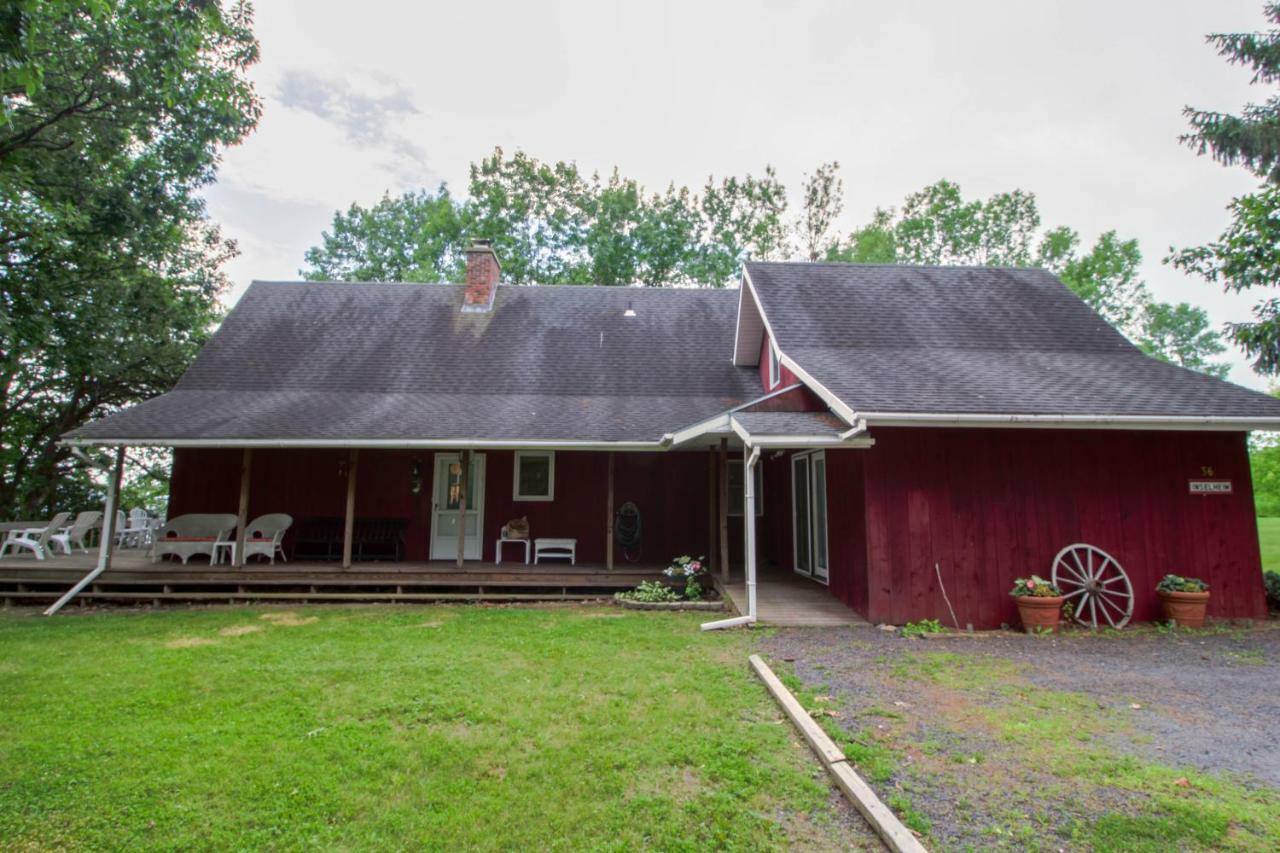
1039 604
689 568
1184 600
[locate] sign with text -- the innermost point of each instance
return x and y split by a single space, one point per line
1210 487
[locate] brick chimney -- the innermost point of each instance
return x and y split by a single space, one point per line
482 277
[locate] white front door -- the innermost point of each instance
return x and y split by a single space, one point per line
809 513
446 503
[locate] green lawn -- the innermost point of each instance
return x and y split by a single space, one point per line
393 727
1269 538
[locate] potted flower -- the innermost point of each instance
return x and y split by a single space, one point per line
1184 600
689 568
1039 604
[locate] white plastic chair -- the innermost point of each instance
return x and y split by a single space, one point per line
75 534
35 539
137 533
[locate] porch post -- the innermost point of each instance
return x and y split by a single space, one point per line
750 456
107 543
724 509
242 514
465 459
712 488
348 528
608 530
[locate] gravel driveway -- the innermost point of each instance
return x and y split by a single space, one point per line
959 716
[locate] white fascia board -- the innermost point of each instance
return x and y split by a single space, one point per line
842 409
1128 422
748 356
717 424
375 443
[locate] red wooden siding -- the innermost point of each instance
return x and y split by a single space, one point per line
786 377
987 506
669 488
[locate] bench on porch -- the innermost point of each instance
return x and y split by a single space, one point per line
320 538
555 549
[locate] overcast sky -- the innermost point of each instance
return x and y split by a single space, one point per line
1079 102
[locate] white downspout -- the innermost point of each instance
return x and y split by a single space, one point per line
108 533
750 458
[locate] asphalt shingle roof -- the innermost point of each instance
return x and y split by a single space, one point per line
360 361
974 340
822 424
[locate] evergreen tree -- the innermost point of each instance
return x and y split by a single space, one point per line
1247 254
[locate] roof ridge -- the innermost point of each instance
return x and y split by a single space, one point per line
855 265
624 288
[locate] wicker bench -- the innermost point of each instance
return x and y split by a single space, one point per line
196 533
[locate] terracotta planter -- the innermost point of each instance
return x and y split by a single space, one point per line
1039 613
1185 609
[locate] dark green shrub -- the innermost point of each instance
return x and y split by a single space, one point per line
1271 579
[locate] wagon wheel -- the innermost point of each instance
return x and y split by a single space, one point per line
1095 584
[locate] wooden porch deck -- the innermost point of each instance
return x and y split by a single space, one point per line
134 578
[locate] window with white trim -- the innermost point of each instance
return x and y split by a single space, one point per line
535 475
775 367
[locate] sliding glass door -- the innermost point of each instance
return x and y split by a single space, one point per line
809 513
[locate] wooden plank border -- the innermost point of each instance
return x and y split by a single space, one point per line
891 830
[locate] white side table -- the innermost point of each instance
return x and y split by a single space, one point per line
216 556
497 549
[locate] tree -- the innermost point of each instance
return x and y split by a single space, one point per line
552 225
419 236
823 204
1107 277
1180 334
1246 254
110 269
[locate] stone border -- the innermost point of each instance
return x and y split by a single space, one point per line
670 605
891 830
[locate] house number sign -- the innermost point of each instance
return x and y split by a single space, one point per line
1210 487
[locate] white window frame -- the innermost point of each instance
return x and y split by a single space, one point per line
775 366
550 456
736 512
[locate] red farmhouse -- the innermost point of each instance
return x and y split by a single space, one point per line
908 431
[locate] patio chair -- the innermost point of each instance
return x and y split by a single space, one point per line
196 533
85 523
35 539
138 532
126 534
264 536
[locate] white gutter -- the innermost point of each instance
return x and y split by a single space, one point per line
856 429
391 443
749 523
1163 422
